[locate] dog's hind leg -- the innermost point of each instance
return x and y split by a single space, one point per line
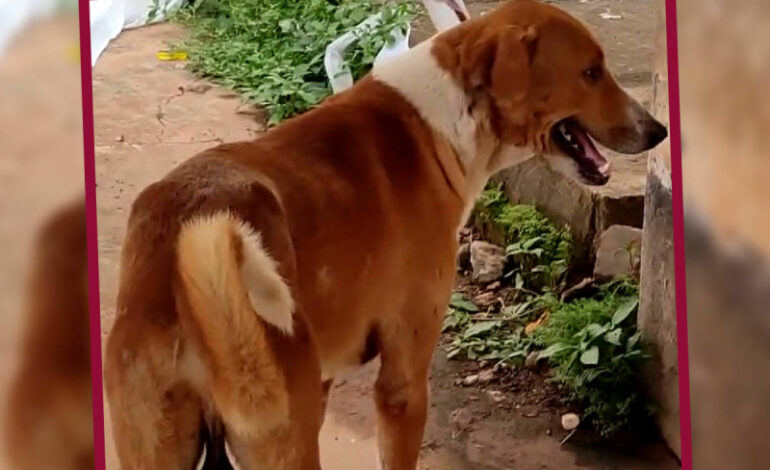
156 421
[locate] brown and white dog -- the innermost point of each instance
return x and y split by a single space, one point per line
255 272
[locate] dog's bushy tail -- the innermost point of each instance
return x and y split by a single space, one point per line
235 294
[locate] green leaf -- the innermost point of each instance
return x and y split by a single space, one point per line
531 242
633 341
453 352
481 327
595 330
613 337
590 356
459 302
625 309
540 269
553 349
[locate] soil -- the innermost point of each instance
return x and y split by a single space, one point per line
150 115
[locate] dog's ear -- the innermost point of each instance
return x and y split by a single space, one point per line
500 62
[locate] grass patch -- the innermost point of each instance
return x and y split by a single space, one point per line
272 52
594 349
591 344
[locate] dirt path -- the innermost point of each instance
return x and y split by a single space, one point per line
146 124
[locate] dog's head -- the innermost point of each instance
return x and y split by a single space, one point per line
547 85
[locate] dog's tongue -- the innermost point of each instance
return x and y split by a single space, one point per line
591 152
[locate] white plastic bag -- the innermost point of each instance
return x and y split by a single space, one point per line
444 14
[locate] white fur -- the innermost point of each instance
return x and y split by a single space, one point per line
207 240
269 294
444 105
418 77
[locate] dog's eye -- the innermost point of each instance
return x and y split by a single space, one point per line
593 74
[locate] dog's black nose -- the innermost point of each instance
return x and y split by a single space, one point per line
656 133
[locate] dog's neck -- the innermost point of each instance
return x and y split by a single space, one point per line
468 149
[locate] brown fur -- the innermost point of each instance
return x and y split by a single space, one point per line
358 202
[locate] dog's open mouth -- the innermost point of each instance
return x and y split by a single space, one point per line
572 139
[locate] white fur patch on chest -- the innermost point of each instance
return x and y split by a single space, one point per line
418 77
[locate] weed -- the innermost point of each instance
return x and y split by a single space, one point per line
272 51
594 349
479 338
540 249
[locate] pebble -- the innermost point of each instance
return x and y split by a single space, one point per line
486 376
471 380
497 396
570 421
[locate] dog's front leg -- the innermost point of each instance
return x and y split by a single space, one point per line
401 390
402 409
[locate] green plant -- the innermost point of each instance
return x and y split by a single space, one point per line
499 339
593 347
540 249
272 51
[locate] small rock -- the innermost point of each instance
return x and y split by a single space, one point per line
494 286
548 432
485 299
461 418
570 421
619 253
486 376
497 396
120 138
487 261
199 88
463 257
531 361
471 380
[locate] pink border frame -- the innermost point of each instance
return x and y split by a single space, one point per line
89 166
93 261
675 132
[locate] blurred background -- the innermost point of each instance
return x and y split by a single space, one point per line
45 396
725 68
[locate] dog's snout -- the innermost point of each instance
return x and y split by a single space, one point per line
656 133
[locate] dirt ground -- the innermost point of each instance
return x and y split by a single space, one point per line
151 115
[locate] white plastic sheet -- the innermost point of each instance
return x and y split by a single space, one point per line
444 14
109 17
